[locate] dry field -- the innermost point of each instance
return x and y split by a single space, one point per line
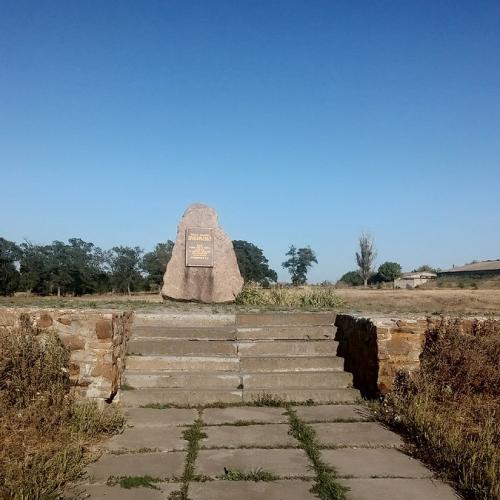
419 301
454 301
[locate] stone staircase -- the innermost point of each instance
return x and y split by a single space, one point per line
199 359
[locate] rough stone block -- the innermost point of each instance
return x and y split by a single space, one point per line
72 342
44 321
64 320
104 329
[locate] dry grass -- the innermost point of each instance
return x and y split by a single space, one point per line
419 301
45 436
451 301
450 407
289 297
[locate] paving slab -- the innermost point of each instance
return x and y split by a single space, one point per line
332 413
257 436
144 438
393 489
149 417
166 465
346 395
117 493
370 434
248 490
371 462
284 463
213 416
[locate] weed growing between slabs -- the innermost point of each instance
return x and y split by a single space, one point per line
326 485
129 482
193 435
253 475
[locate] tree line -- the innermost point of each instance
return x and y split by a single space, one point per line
79 267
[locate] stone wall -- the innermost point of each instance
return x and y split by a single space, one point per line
375 349
97 341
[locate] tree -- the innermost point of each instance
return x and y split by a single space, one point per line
58 267
253 264
298 264
154 263
34 268
85 263
125 268
389 271
365 257
426 269
352 278
9 275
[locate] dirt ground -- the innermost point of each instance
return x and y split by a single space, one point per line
415 302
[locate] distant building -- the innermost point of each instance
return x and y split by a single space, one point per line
412 280
475 270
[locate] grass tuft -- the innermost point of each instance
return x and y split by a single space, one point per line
252 475
266 399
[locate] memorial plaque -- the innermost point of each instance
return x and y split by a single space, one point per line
199 247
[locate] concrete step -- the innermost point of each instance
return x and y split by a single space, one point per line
292 364
184 333
305 380
180 397
346 395
288 348
183 380
269 319
182 363
184 319
176 347
301 332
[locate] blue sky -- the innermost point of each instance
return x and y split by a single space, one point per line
300 122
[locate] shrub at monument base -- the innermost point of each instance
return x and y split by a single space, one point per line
45 436
450 407
293 298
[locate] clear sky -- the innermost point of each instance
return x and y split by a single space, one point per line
300 122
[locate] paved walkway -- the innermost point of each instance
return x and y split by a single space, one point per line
242 440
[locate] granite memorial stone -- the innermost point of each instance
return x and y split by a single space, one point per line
203 266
